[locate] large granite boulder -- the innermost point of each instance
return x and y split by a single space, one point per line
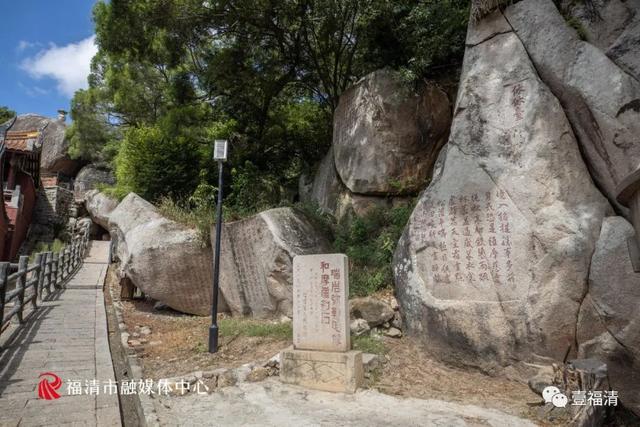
55 147
600 99
99 206
89 177
168 261
386 136
608 325
256 260
493 264
611 25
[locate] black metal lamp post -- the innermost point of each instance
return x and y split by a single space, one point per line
219 154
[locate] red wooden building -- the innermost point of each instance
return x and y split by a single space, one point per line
20 171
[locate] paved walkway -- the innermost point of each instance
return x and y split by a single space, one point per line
68 337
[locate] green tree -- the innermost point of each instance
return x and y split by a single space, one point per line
6 114
266 74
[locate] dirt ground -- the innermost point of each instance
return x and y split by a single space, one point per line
177 345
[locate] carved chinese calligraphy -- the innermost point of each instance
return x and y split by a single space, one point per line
467 238
320 302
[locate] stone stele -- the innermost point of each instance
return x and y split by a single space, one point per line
320 302
320 356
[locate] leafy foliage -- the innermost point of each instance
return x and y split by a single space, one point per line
6 114
171 76
370 242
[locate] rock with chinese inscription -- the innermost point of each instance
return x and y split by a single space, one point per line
166 260
256 260
600 99
99 206
608 325
386 136
494 261
320 302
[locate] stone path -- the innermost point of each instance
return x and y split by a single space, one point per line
68 337
271 403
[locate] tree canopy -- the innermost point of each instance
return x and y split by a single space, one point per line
6 114
172 75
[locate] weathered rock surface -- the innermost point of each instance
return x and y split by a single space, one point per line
386 137
600 99
493 264
372 310
256 273
55 147
99 206
167 261
89 177
608 325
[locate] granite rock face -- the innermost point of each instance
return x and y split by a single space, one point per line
89 177
608 325
256 275
386 137
600 99
494 262
99 206
167 261
55 147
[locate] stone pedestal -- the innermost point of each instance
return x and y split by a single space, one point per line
322 370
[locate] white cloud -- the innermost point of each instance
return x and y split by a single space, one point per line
68 65
24 45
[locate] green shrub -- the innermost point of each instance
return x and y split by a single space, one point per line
369 344
369 242
200 217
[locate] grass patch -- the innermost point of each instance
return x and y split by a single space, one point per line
255 328
369 344
56 246
370 242
201 218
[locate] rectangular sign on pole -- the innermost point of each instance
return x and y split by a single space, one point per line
220 150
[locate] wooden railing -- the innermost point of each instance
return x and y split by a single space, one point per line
23 285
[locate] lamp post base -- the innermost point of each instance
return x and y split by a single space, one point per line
213 339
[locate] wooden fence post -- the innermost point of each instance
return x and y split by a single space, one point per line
37 274
4 273
21 281
47 271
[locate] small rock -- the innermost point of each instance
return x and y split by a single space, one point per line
159 305
542 379
226 378
285 319
374 311
134 343
257 374
135 335
274 362
371 361
396 322
198 375
386 325
393 303
145 330
393 333
359 327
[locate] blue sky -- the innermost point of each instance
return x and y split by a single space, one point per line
45 50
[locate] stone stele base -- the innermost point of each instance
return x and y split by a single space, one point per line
322 370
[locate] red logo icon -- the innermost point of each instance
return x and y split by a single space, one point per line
47 389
